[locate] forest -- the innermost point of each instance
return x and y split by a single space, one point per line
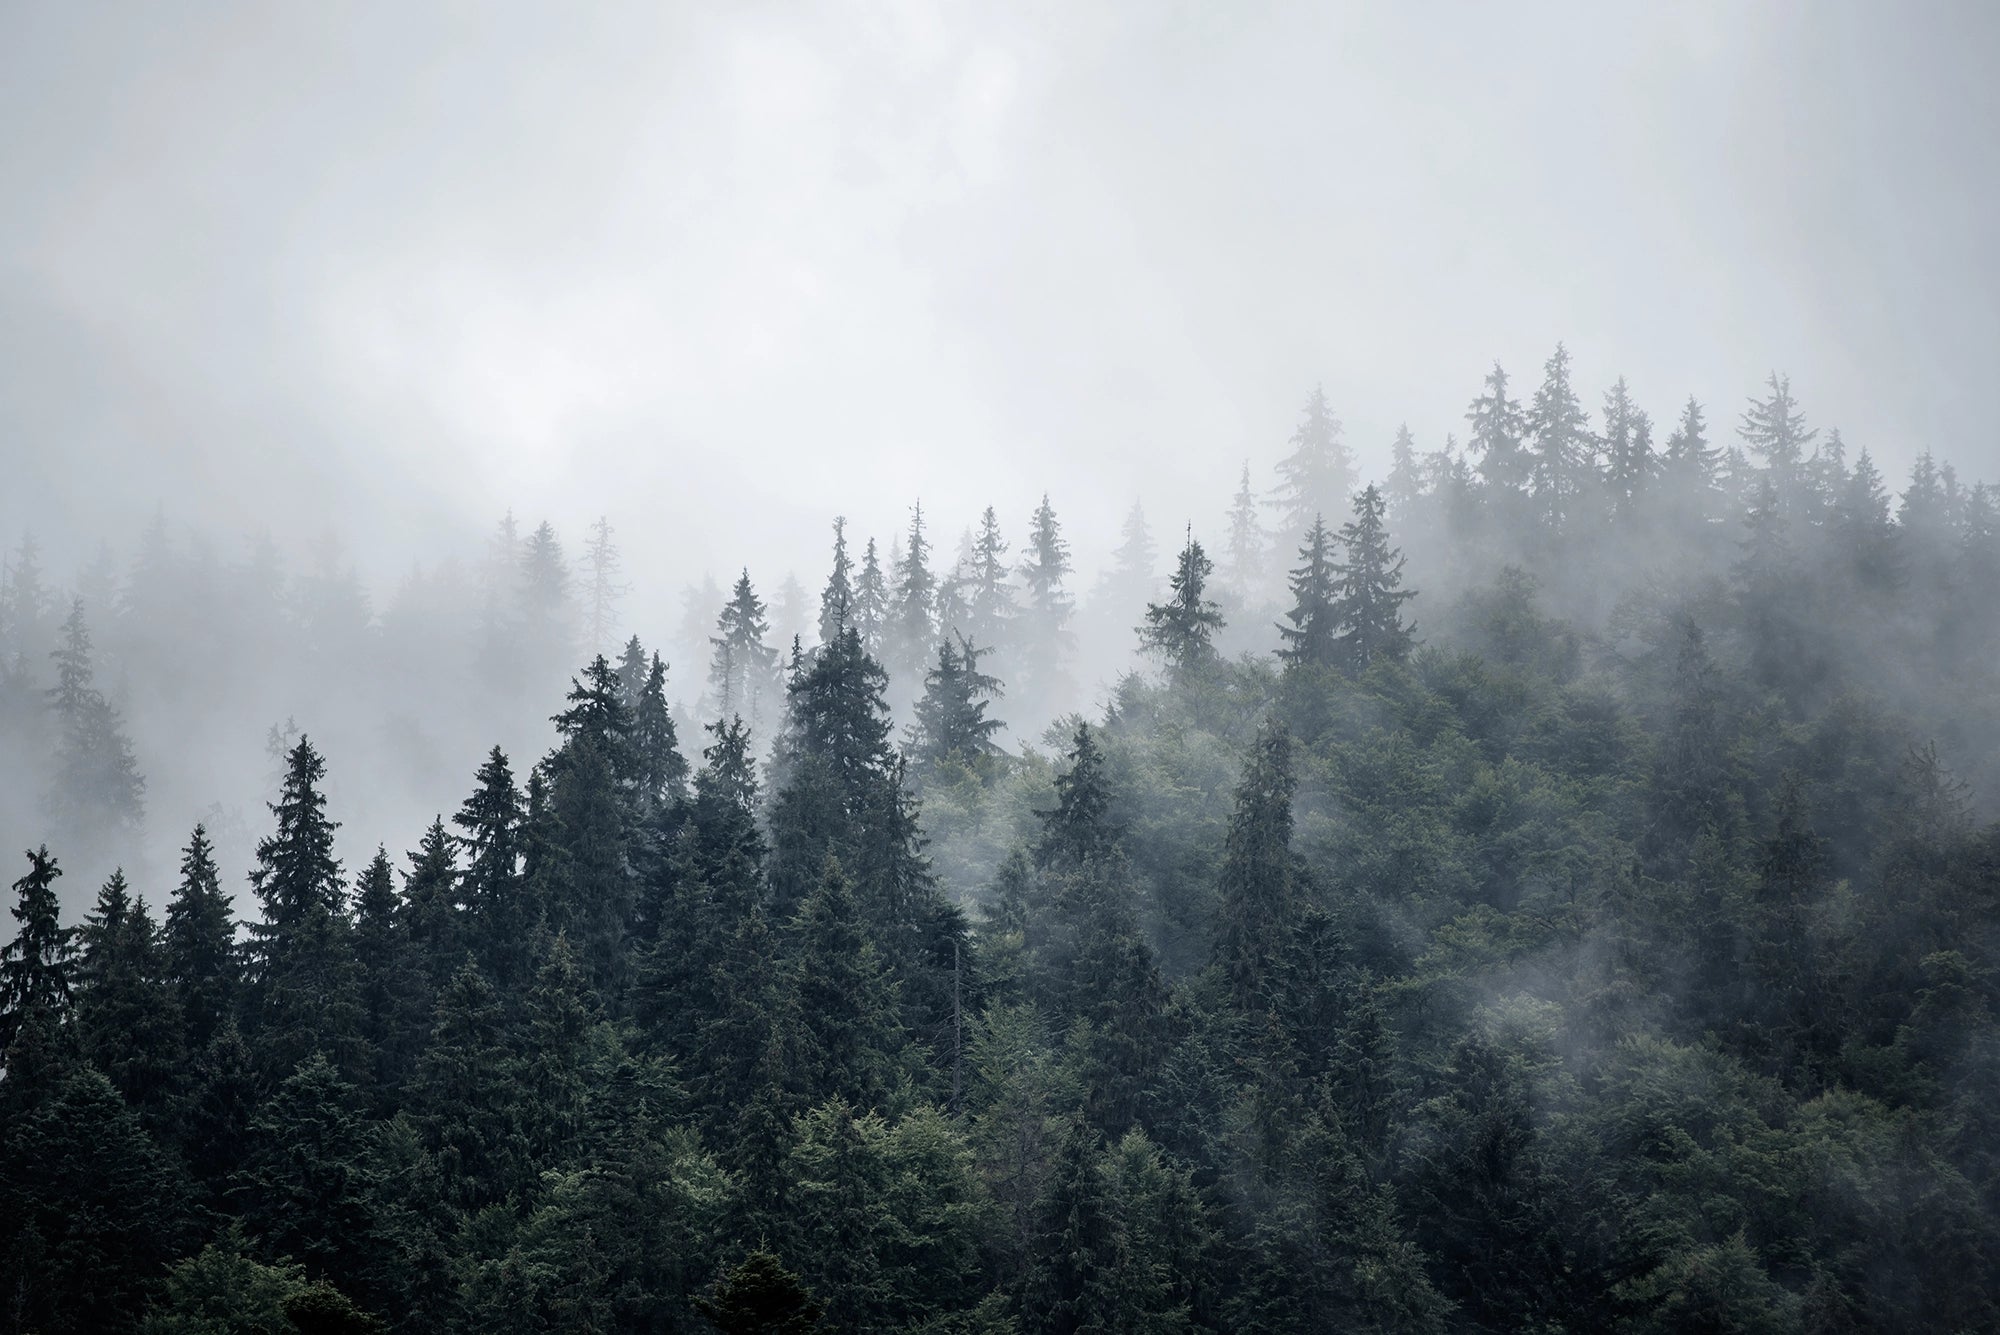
1551 886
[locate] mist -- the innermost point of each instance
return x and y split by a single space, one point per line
1186 611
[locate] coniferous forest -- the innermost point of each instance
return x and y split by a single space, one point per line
1550 886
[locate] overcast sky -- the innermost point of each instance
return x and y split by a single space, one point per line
723 270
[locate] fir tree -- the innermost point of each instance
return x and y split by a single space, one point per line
1864 530
1498 434
391 984
871 603
990 609
604 585
1311 640
1368 598
35 967
907 638
1319 472
1130 581
951 717
1181 630
1405 486
304 979
743 668
1560 446
1775 431
1257 906
468 1095
1247 541
128 1017
1044 566
492 890
97 793
1689 468
1078 830
1629 463
200 944
854 1042
836 601
432 917
661 771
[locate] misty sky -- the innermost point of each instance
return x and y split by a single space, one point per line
722 270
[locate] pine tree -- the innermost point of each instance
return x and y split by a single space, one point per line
1317 475
1563 466
854 1040
1181 630
1405 486
1130 581
35 967
604 585
1368 598
305 1189
990 606
761 1297
304 978
951 718
468 1095
871 603
1247 542
1257 907
1689 469
97 794
1864 531
1775 430
492 889
1048 640
907 638
129 1021
1311 641
1629 463
200 944
392 990
1499 430
545 619
432 917
743 669
836 601
661 770
631 674
1078 830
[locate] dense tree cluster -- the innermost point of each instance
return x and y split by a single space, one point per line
1614 951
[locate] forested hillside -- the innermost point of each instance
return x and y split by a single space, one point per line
1550 887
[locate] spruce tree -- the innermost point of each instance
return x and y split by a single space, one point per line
1078 830
871 603
1629 462
1247 542
392 990
1405 485
128 1017
951 717
468 1096
907 637
1499 430
661 771
836 601
1563 466
1775 431
35 968
1317 475
1311 640
743 668
1047 640
431 918
604 585
96 794
200 944
1688 469
303 992
990 609
1257 907
1131 580
492 890
1181 630
1368 597
854 1041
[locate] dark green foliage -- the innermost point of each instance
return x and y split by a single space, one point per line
199 943
1368 599
35 967
952 727
127 1014
761 1297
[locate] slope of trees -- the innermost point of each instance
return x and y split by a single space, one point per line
1565 921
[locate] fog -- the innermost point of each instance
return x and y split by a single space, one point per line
374 276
